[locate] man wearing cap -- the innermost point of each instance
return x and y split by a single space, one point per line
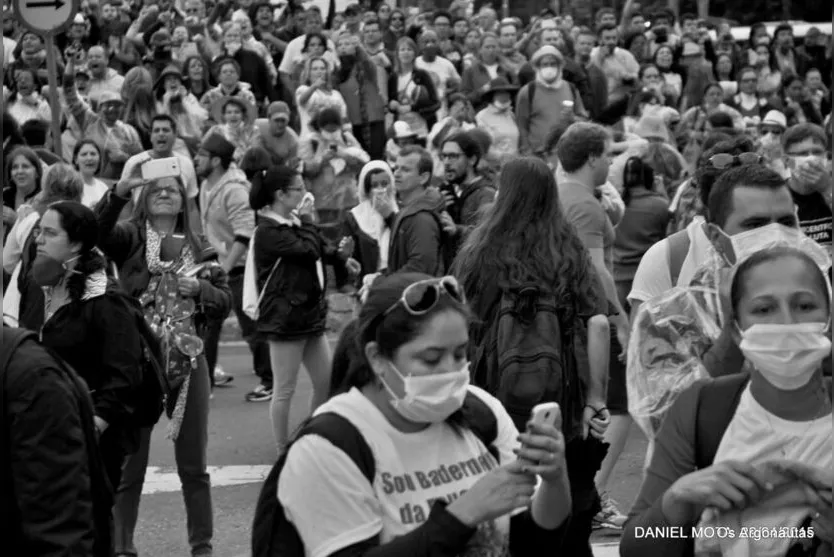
618 64
116 139
228 224
276 137
102 78
546 101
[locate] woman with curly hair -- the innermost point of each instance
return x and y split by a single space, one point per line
525 240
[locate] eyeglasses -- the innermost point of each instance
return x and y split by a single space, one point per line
725 160
772 130
419 298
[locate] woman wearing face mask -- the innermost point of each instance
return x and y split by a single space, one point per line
87 322
162 263
369 223
61 183
25 102
238 124
288 254
795 103
316 93
404 390
498 119
731 430
86 158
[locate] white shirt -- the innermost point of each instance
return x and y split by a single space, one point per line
756 436
94 192
16 240
654 277
333 505
8 51
442 72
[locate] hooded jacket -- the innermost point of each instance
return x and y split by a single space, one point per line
417 236
371 232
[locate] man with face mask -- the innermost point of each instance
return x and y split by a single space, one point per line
810 179
443 72
545 102
117 140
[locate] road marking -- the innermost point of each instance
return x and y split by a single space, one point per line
160 479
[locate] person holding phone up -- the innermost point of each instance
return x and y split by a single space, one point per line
161 262
451 470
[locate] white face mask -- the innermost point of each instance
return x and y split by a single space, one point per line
430 399
233 47
786 354
502 106
774 234
549 74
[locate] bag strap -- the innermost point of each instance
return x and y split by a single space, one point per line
676 252
343 435
717 403
481 421
269 276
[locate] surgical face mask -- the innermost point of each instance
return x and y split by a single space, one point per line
430 399
549 74
48 271
786 354
749 242
233 47
502 105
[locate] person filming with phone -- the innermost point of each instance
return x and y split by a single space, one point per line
451 470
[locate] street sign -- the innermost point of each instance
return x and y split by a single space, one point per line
46 17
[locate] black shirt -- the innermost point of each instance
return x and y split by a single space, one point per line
815 217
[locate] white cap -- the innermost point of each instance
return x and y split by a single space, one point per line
775 118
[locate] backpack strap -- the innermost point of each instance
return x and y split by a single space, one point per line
717 403
481 421
677 249
345 436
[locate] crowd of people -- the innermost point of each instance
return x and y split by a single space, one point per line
630 217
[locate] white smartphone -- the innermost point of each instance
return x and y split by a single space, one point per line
547 413
308 198
161 168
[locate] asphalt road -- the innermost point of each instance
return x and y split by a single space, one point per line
241 451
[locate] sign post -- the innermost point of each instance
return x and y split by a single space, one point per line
48 18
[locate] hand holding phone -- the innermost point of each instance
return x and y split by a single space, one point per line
543 445
161 168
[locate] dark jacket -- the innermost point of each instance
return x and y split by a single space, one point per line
467 210
46 507
99 339
427 103
253 70
417 237
366 250
123 242
294 304
475 77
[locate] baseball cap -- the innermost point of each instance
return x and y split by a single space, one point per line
278 107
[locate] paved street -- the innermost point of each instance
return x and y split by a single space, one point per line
241 453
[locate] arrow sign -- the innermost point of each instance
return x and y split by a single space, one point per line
57 4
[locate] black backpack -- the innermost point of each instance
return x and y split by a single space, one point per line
533 352
100 489
275 536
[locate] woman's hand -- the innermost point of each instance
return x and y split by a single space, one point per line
725 486
353 267
543 449
188 287
499 492
595 421
384 205
124 188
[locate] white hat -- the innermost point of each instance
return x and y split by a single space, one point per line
403 131
547 50
775 118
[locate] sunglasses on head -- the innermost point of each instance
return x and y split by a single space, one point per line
421 297
725 160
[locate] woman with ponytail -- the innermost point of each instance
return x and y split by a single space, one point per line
288 252
88 324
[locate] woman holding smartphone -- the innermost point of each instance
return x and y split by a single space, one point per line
289 253
452 471
162 262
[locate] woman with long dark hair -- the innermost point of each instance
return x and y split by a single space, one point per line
86 157
165 265
89 325
524 239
